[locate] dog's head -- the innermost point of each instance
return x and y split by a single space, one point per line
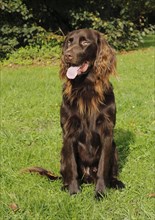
86 51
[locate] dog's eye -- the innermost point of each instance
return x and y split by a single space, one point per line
69 41
84 43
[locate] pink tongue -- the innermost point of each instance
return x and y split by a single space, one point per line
84 67
72 72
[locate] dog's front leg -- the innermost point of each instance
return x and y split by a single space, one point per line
104 167
69 167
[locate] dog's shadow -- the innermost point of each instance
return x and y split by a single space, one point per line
123 140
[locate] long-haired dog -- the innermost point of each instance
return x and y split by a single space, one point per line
88 113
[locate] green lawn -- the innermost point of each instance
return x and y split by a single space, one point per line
31 135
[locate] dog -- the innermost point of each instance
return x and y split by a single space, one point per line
87 114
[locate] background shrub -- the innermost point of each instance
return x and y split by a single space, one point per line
39 22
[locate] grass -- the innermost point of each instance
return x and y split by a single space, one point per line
31 135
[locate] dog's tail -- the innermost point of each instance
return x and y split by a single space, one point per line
39 170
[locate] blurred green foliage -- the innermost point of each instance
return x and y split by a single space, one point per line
39 22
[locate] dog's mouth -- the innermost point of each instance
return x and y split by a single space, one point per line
74 71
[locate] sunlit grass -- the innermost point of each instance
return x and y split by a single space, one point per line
31 135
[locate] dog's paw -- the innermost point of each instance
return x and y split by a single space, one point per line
99 195
73 188
100 189
117 184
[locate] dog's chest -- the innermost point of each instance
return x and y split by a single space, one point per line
89 141
87 104
84 96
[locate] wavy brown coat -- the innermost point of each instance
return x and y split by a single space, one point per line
88 114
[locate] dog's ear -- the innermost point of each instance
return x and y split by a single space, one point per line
63 65
105 63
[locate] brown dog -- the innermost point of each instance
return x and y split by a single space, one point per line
88 113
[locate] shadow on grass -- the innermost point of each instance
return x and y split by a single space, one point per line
123 139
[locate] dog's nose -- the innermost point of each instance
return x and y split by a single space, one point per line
68 56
